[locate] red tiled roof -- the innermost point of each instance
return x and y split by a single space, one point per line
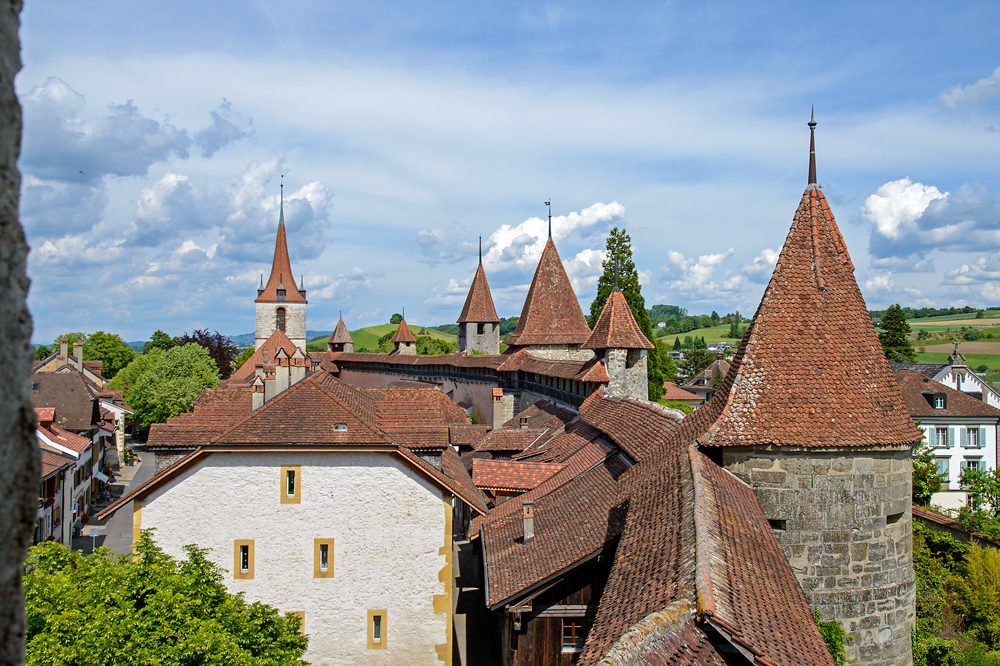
458 360
542 414
214 411
403 334
72 396
637 426
913 385
551 313
509 439
467 435
674 392
559 448
616 327
581 371
340 334
479 303
52 462
65 438
281 273
277 340
511 474
45 414
811 371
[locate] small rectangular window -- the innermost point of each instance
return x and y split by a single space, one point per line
377 637
323 558
291 484
574 633
939 402
973 438
943 469
243 559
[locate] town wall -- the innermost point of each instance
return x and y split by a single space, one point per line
561 352
295 322
843 519
391 546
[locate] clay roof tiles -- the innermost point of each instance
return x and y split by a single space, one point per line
70 394
616 327
810 371
340 334
479 303
53 462
915 388
65 438
281 271
582 371
511 475
264 354
403 333
551 313
673 392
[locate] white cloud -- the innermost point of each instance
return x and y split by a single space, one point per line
584 270
983 269
762 267
975 94
896 205
692 278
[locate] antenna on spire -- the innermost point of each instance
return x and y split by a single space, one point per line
812 149
281 214
549 204
480 250
616 288
403 315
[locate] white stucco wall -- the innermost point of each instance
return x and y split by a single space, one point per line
964 379
951 495
391 534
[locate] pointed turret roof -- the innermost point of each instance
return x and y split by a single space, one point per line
403 333
479 303
616 327
810 371
340 334
551 313
281 267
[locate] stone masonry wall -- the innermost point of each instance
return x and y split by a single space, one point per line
295 322
487 343
561 352
829 510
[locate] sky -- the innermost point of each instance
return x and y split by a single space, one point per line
156 134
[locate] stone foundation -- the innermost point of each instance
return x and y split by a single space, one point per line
843 519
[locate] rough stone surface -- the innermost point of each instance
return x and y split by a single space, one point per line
829 510
487 342
567 352
392 549
627 372
295 322
20 471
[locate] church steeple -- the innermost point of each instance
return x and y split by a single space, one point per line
281 269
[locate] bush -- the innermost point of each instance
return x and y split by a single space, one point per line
835 638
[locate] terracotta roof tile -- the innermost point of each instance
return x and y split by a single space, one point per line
637 426
930 370
509 439
674 392
810 370
458 360
582 371
466 435
403 333
45 414
551 313
70 394
340 334
53 462
511 474
916 388
616 327
65 438
542 414
267 349
281 273
479 303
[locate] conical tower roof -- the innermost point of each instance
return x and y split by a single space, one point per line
551 314
340 334
403 333
616 327
811 371
281 268
479 303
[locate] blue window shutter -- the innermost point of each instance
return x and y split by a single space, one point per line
951 438
982 437
965 437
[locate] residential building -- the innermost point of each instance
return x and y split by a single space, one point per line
706 382
957 375
77 490
961 429
672 391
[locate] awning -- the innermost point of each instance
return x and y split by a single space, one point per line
102 477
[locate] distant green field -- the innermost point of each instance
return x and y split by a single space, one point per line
991 361
712 334
368 337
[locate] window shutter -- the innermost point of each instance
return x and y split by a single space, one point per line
965 437
951 438
962 466
982 437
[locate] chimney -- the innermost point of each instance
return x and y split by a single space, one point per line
269 391
64 349
524 421
298 370
258 393
528 512
282 374
78 355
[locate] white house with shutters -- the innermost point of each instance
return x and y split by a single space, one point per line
961 429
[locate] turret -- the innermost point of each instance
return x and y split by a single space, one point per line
340 340
403 341
619 342
479 325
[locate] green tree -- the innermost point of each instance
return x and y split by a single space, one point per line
395 318
971 334
619 248
160 340
220 348
895 330
105 609
42 352
244 357
169 387
129 375
110 349
926 480
694 361
677 344
979 594
715 318
77 336
427 345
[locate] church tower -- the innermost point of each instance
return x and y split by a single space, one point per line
281 306
479 325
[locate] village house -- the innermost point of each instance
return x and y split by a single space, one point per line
69 490
705 383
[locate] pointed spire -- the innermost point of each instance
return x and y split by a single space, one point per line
281 214
616 327
549 204
812 149
403 333
479 306
616 287
280 267
480 250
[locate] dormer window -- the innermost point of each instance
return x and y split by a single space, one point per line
939 401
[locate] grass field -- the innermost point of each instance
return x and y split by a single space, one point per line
711 335
368 337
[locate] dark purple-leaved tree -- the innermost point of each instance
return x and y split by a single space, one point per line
220 348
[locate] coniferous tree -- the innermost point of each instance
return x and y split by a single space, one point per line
893 337
620 245
677 344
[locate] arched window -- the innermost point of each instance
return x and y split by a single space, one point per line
281 319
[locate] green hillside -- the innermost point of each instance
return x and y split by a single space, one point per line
711 334
367 337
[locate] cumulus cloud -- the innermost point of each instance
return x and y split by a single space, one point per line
584 270
452 293
979 93
692 278
222 132
895 207
70 254
762 266
326 287
983 269
440 246
881 288
521 245
58 207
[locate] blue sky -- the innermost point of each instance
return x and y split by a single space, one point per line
155 134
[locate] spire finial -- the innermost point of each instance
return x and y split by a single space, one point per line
262 282
341 314
480 250
616 287
812 148
549 204
281 215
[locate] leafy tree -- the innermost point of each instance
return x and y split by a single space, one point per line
78 336
926 480
979 594
677 344
619 247
735 331
244 357
110 349
982 367
895 342
105 609
427 345
129 375
41 352
169 387
922 334
160 340
507 326
220 348
385 344
694 361
971 334
395 318
715 318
